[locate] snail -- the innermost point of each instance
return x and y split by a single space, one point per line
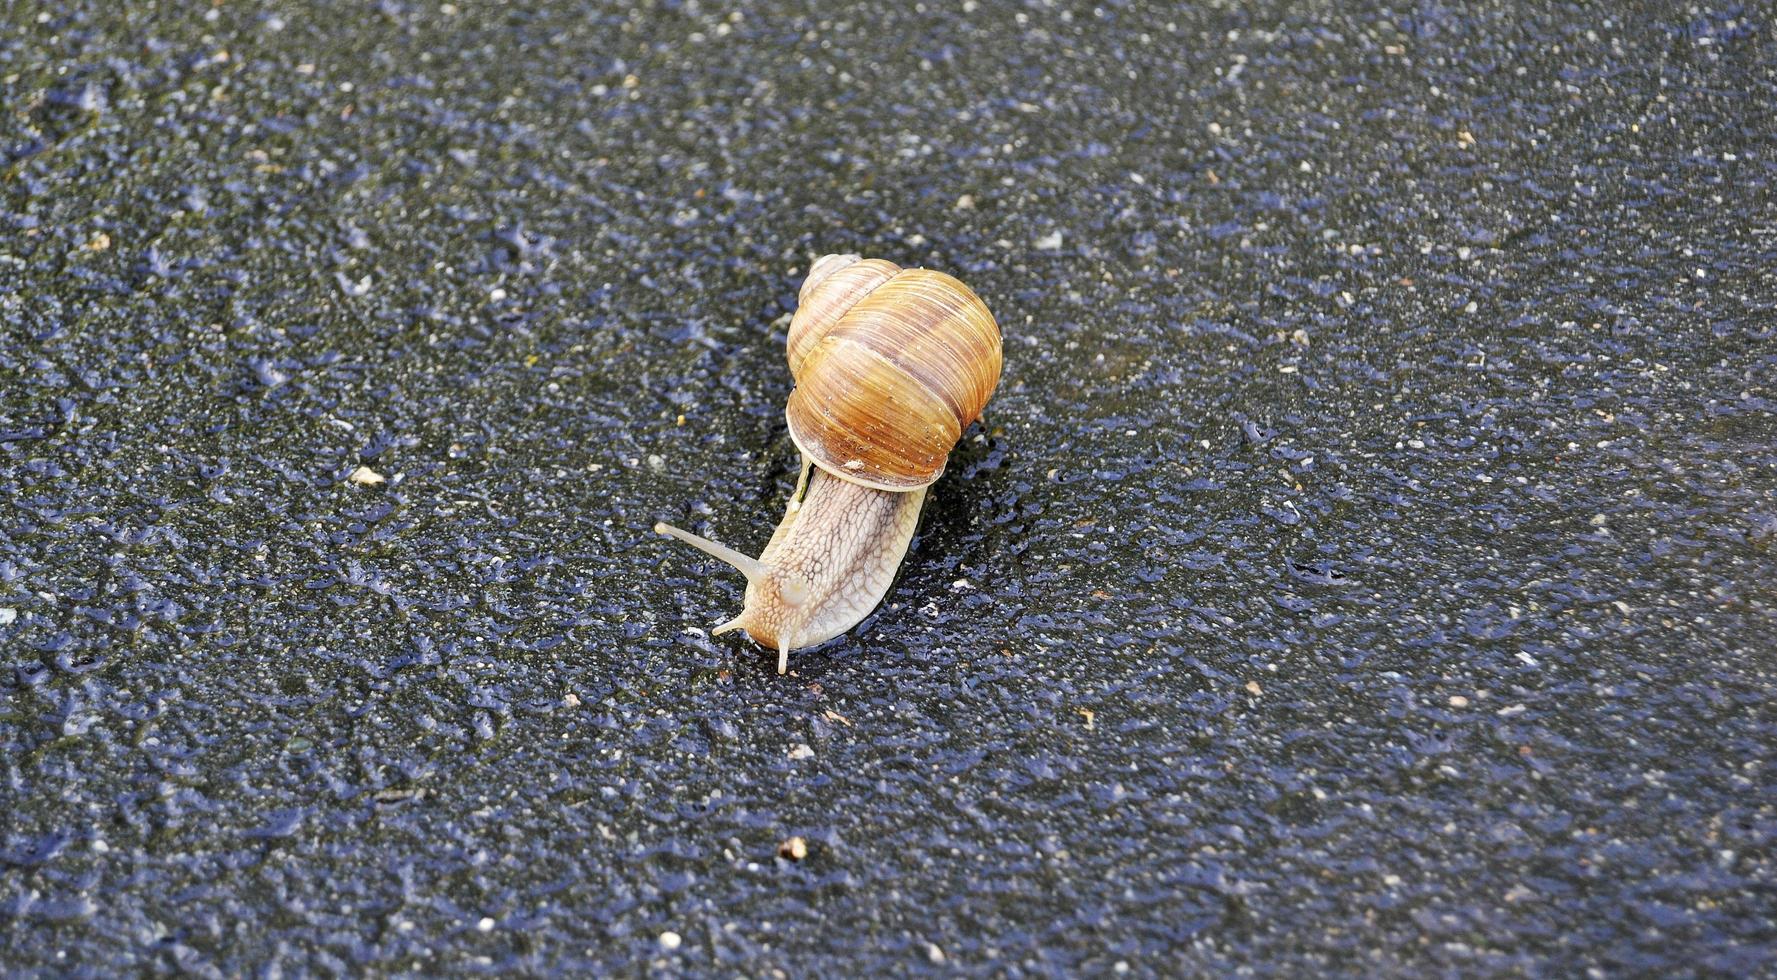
891 365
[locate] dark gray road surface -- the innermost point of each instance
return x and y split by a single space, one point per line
1366 566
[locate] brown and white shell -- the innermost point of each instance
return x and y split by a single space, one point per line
891 365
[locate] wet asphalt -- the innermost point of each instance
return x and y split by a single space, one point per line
1364 567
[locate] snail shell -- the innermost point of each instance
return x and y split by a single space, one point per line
891 365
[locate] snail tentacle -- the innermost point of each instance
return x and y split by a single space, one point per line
752 568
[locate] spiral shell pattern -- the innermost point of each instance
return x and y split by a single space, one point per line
891 365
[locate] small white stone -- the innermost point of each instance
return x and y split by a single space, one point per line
364 476
8 615
1049 242
497 294
802 751
670 940
933 953
485 925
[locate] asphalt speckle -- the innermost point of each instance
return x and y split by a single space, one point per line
1364 566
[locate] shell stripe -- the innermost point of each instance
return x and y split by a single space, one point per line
891 366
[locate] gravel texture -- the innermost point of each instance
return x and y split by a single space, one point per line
1365 566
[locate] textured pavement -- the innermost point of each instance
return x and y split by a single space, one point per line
1365 567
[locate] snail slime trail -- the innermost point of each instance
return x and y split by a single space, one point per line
891 365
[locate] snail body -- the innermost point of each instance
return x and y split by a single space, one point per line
891 366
